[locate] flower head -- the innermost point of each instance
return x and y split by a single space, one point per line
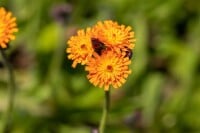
80 47
115 36
108 69
106 50
7 27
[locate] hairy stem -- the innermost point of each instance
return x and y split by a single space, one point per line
105 112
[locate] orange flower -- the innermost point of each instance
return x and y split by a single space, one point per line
80 47
7 27
106 50
115 36
108 69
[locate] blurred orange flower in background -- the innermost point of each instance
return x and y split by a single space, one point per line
7 27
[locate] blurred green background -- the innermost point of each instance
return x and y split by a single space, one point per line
161 95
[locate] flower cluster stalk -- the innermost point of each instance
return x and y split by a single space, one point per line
105 112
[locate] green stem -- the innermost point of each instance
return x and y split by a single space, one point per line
105 112
11 95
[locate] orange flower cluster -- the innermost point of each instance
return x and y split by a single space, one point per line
105 49
7 27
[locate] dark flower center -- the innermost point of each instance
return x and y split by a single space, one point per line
83 47
109 68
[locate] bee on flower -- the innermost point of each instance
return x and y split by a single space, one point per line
98 46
